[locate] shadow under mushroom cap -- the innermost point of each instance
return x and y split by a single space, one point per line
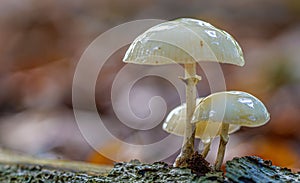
175 124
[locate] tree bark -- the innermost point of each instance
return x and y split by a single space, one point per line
249 169
254 169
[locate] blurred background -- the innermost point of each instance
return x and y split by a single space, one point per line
42 41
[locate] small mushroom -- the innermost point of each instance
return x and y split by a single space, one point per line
230 108
175 124
185 41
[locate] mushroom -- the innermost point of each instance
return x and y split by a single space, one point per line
230 108
205 131
185 41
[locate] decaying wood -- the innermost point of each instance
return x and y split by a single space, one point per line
16 168
253 169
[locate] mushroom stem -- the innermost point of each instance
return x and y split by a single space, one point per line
187 149
206 149
222 146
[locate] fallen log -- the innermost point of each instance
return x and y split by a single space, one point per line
249 169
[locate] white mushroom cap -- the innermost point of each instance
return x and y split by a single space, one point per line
233 107
175 124
184 41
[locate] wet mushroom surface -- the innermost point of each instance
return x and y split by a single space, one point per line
185 41
205 131
231 108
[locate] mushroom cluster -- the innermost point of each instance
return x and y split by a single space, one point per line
205 131
230 110
188 41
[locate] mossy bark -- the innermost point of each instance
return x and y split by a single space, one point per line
254 169
246 169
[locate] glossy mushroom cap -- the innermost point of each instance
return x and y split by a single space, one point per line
233 107
175 124
184 41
